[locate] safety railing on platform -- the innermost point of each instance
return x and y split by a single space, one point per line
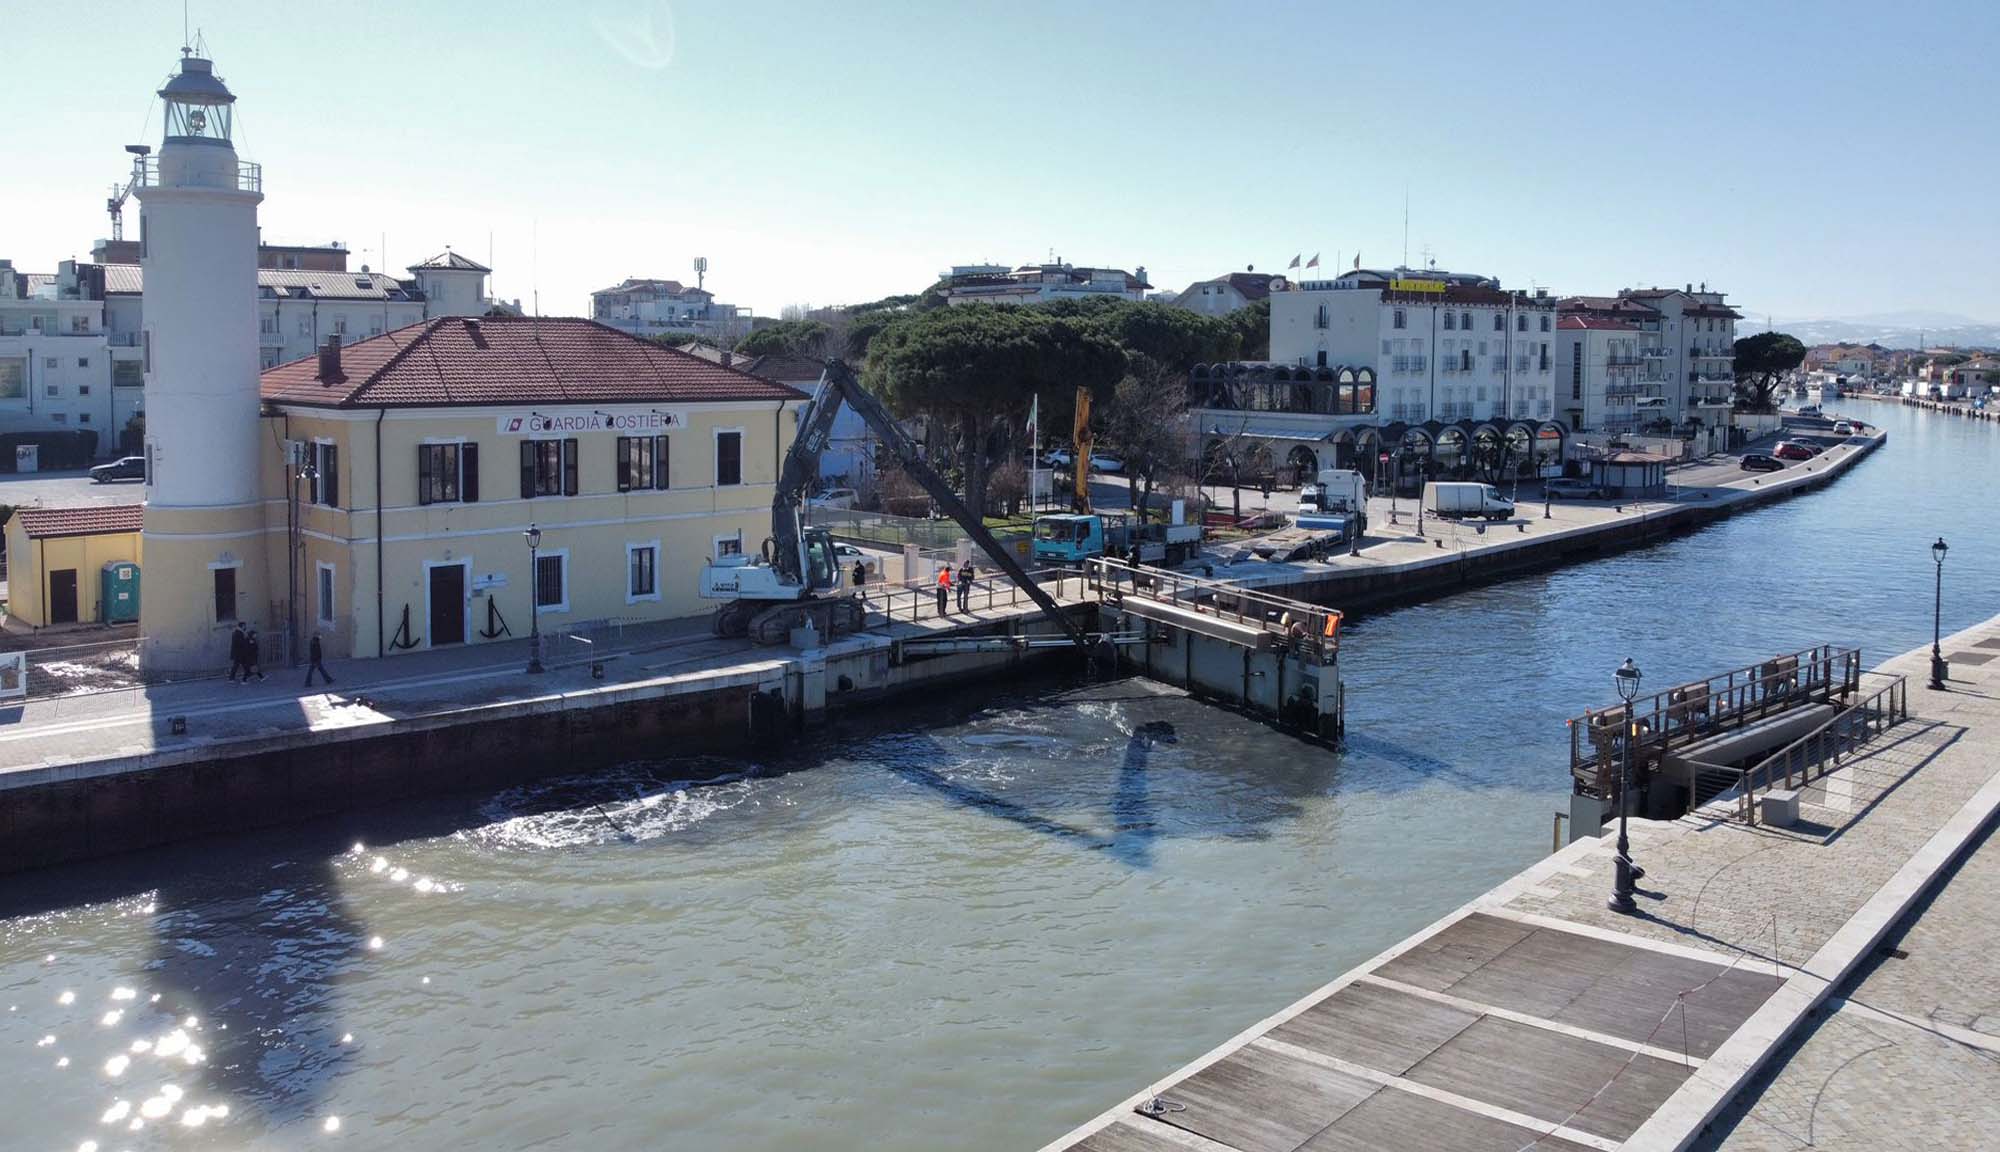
1693 711
916 599
1818 751
1313 629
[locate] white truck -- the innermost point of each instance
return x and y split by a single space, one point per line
1466 501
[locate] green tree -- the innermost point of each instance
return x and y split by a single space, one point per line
786 337
1760 361
1253 330
973 371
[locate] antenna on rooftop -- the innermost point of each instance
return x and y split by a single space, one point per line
700 271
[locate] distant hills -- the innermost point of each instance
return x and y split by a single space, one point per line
1889 329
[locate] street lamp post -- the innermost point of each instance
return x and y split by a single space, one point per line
1939 671
534 537
1627 678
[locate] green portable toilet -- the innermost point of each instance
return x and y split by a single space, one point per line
120 592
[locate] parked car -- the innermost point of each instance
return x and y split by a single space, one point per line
834 498
129 468
1758 462
1574 490
1793 450
1843 429
1102 463
846 554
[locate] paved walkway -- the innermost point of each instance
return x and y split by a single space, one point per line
63 732
1536 1017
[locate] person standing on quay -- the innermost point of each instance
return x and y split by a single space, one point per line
965 586
253 660
238 660
944 589
314 655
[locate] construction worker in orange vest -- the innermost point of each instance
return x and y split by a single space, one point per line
944 589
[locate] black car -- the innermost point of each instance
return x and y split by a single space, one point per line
1758 462
130 468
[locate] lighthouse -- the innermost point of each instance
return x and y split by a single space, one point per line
203 548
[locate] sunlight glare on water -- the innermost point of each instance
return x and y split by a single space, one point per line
968 921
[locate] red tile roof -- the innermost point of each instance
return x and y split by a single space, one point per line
513 360
1575 322
42 523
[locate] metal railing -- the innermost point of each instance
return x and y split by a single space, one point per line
1688 712
1312 629
248 177
916 598
1825 745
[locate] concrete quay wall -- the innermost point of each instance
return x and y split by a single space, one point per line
77 810
1504 549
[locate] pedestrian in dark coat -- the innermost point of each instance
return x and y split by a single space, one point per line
965 587
238 661
253 660
314 656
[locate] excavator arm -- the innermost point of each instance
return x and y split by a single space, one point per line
838 386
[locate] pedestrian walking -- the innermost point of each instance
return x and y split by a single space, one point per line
253 660
944 589
965 586
314 655
238 660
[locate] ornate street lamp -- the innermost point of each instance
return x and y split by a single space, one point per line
1627 678
1939 671
534 538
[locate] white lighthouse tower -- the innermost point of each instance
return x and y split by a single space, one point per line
203 552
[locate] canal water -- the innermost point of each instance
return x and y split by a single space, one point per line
971 923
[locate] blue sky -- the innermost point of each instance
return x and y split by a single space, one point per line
1814 160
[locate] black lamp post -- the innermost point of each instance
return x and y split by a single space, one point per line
1627 678
534 537
1939 671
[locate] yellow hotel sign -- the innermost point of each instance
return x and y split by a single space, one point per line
1416 285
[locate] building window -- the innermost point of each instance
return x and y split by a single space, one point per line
1465 321
83 417
642 462
1322 358
1450 321
50 362
1545 322
14 378
1521 323
326 595
548 468
326 474
642 580
1499 321
51 389
728 458
58 418
83 361
340 325
305 326
1399 320
446 474
146 345
552 581
268 325
225 594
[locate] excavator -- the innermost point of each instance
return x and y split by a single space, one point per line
795 579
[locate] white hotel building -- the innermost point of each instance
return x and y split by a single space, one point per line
1444 346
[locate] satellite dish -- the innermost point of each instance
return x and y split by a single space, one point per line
1277 283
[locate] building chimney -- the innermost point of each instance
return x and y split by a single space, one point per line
728 358
329 362
1690 288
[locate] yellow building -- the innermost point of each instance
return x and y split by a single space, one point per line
418 460
56 559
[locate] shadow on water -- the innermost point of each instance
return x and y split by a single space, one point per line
251 942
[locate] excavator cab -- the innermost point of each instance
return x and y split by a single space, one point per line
822 574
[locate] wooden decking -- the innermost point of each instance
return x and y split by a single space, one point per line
1491 1034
